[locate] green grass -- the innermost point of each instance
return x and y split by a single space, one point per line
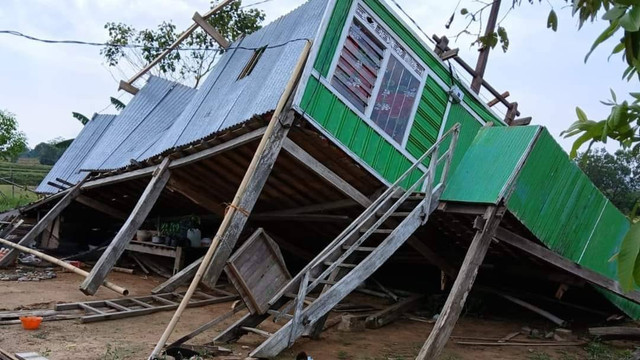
17 197
599 351
23 174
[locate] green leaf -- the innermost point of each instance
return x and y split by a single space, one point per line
613 95
464 11
581 114
606 34
552 20
614 13
628 257
631 20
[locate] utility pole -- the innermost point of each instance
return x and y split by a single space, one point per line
483 57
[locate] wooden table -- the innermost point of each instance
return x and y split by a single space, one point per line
176 253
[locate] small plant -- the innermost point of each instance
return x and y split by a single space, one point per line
539 355
115 353
597 350
46 352
41 335
342 355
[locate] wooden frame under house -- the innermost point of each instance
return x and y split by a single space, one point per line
344 136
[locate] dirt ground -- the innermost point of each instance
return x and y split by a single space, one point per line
133 338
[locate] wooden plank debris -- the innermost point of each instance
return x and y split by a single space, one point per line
393 312
131 225
207 326
620 332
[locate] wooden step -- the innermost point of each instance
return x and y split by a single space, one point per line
257 331
325 282
395 214
414 196
359 248
343 265
378 231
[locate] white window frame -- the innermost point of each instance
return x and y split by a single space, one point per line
366 115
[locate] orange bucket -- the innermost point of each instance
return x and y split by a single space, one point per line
30 322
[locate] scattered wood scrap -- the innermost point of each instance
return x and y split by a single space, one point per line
622 332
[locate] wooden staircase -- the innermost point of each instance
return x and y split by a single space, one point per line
353 256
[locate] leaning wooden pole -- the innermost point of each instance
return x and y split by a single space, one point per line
51 259
235 205
463 284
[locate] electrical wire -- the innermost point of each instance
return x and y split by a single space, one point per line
137 46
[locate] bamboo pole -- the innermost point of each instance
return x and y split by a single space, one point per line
51 259
236 202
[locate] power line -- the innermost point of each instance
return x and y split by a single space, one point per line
138 46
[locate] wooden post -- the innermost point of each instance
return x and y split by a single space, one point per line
44 223
512 112
466 276
483 58
246 196
119 243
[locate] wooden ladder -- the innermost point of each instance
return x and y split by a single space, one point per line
354 255
101 310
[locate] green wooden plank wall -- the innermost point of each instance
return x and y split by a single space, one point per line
357 135
554 199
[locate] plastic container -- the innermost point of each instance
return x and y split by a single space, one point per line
30 322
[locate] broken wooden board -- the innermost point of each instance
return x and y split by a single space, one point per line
257 270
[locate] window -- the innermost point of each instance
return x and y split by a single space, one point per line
357 70
246 71
397 95
369 53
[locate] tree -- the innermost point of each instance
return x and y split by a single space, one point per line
616 175
195 56
12 141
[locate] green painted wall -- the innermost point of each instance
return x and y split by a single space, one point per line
486 168
558 203
330 112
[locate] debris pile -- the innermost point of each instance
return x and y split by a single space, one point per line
27 274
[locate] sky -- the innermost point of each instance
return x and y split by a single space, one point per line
42 84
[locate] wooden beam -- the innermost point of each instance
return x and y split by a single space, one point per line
324 172
483 57
126 86
495 101
302 218
449 54
563 263
190 159
56 185
333 205
176 43
181 187
245 198
119 243
253 182
178 279
462 286
44 223
102 207
210 30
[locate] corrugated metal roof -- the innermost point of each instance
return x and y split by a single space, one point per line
146 119
68 166
223 101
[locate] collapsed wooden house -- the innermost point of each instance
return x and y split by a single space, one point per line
343 136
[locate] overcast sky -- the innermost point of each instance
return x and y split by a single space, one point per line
42 84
